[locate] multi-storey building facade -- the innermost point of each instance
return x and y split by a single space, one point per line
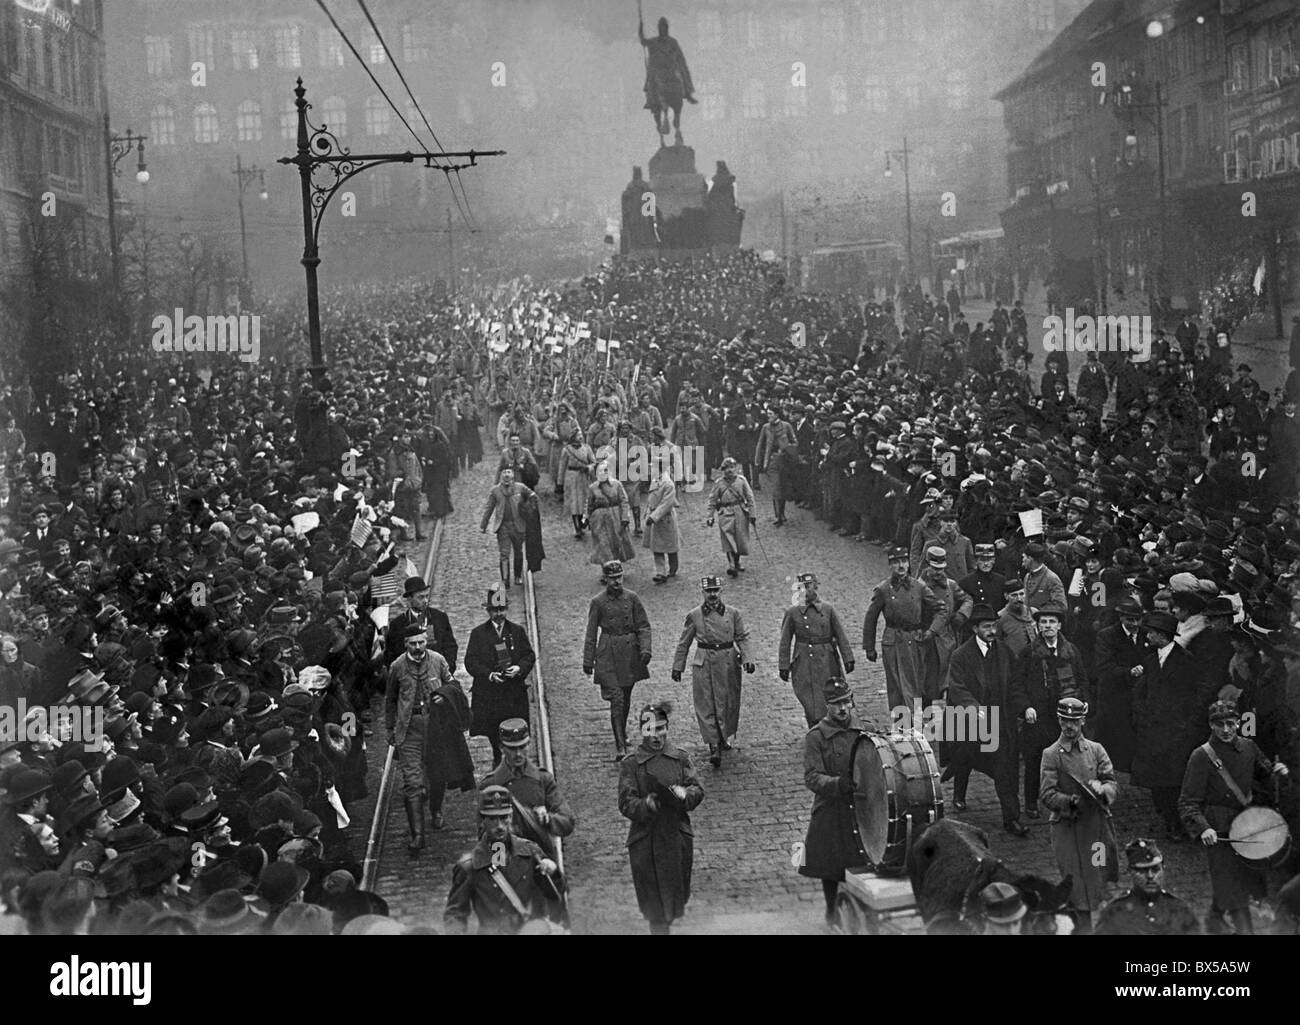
792 94
1192 101
53 204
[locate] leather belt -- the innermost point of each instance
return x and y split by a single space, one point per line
418 710
815 643
715 647
625 633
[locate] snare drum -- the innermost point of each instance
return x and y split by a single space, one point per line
897 795
1260 834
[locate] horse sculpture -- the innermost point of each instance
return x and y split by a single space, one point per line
667 81
950 863
667 97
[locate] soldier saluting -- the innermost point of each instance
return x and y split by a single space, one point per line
721 648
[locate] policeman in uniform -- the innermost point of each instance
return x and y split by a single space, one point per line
984 585
833 842
813 648
505 880
617 648
545 812
1148 909
721 648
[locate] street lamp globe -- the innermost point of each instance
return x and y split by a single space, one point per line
264 195
1131 139
142 176
1155 28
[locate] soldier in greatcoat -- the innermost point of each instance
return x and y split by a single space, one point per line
913 616
1148 909
657 791
662 536
616 649
833 842
813 648
731 506
721 649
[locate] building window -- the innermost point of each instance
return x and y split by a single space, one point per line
162 126
1238 69
289 121
709 30
873 22
331 48
372 49
876 95
158 56
243 50
958 89
381 189
796 101
248 121
415 46
753 30
463 110
832 25
839 95
288 47
203 46
755 100
715 106
334 111
207 128
378 116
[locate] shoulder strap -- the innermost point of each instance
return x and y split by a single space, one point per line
508 891
1226 776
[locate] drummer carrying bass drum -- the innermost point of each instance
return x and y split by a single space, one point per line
833 842
1217 787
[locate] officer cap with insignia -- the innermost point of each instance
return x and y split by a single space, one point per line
710 584
985 551
494 802
513 733
613 568
1223 711
805 578
898 552
1143 853
1072 709
836 689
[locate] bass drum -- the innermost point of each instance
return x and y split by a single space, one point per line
897 794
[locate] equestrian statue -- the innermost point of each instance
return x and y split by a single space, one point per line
667 79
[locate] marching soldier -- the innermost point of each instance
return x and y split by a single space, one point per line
657 791
618 659
913 615
721 648
813 648
1218 783
731 505
505 880
541 811
1148 909
1078 787
833 842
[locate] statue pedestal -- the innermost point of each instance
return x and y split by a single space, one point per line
689 218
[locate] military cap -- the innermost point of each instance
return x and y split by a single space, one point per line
201 816
613 568
1071 708
710 583
836 689
513 733
494 801
898 552
1143 853
1223 711
936 557
804 578
983 551
1002 903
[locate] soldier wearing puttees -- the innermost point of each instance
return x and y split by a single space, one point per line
1148 909
505 880
913 615
833 842
721 649
814 647
616 649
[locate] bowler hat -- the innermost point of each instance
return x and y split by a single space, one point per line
1162 622
282 881
27 784
982 613
1002 903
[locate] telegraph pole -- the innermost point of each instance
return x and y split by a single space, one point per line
319 148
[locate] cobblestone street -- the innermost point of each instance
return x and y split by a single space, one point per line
756 808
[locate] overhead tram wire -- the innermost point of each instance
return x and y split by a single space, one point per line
465 213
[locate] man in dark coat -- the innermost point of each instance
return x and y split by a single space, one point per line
657 790
833 842
499 657
1119 649
419 611
1051 669
979 677
616 649
1170 702
546 814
